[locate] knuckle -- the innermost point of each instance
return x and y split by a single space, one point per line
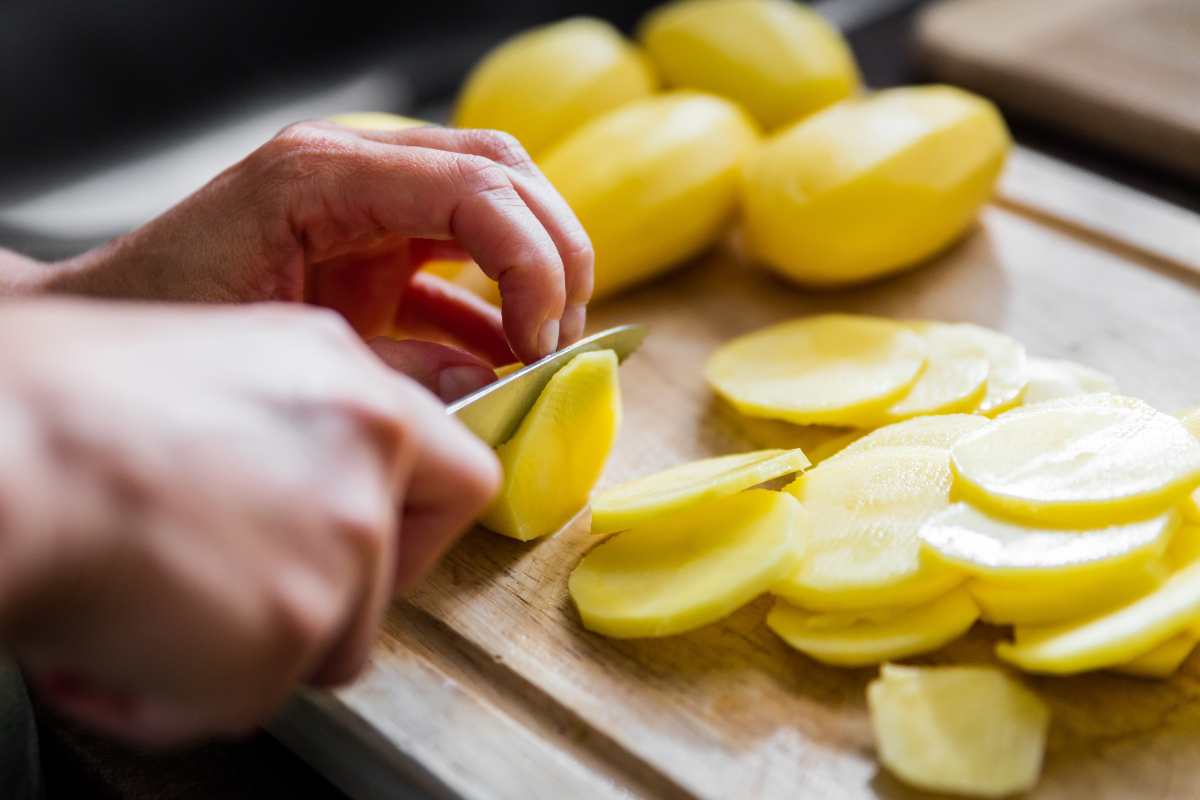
298 152
503 147
482 175
305 608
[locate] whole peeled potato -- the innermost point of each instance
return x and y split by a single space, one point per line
654 182
542 84
872 185
780 60
376 121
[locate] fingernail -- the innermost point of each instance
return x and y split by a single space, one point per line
547 340
573 320
455 382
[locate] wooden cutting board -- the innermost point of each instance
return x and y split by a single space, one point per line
486 686
1125 73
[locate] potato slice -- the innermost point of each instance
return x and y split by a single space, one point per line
638 501
557 454
955 379
818 442
1078 461
972 731
1163 661
1191 506
941 430
994 547
832 369
864 550
777 58
544 83
1050 378
850 639
686 570
1122 634
1050 600
1007 367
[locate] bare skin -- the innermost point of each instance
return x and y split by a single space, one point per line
202 507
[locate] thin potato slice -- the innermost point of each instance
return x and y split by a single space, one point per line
972 731
1121 635
851 639
1163 661
817 441
1191 506
666 492
557 454
832 369
689 569
993 547
941 430
955 379
1050 600
1007 369
864 550
1050 378
1078 461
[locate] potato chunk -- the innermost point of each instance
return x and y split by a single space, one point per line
864 550
666 492
831 369
855 639
557 454
686 570
1078 461
972 731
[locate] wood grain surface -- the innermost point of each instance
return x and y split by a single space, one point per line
486 685
1120 72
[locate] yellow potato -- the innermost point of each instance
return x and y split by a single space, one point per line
642 499
777 58
1007 366
955 379
941 430
1041 601
654 183
508 369
970 731
1082 461
1121 634
851 639
557 454
817 441
873 185
1051 378
1163 661
993 547
376 121
831 369
686 570
546 82
864 550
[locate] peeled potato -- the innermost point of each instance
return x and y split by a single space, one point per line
557 454
376 121
1078 461
829 369
1163 661
1007 366
971 731
817 441
1122 634
640 500
872 185
853 640
1049 600
864 550
688 569
778 59
1050 378
543 84
941 430
993 547
955 379
654 182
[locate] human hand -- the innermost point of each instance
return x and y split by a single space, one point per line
204 507
344 218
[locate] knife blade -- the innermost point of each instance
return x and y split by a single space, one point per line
494 412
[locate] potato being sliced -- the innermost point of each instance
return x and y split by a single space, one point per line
1163 661
1050 378
1122 634
831 369
686 570
1080 461
557 454
940 430
1054 599
955 379
864 550
852 639
994 547
638 501
972 731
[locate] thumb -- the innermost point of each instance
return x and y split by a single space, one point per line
445 371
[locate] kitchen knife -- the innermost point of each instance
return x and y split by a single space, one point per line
493 412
